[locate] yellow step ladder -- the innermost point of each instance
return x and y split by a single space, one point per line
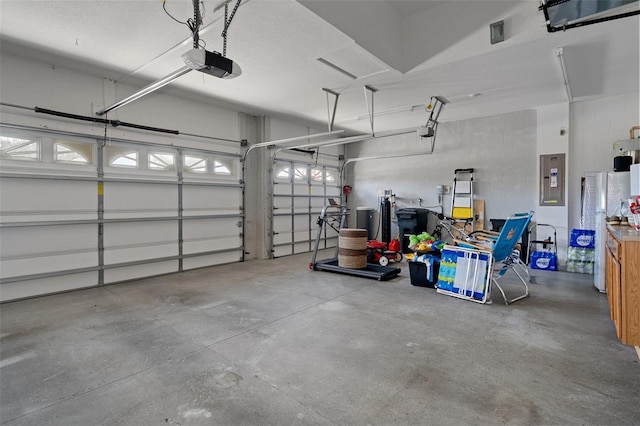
462 202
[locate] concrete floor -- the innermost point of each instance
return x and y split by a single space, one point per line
271 342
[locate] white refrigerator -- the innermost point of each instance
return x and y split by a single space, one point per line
604 194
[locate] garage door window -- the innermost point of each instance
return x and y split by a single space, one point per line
331 175
73 152
221 167
317 175
195 164
161 161
300 173
282 172
20 148
130 159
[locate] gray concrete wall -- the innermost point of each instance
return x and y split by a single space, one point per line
501 149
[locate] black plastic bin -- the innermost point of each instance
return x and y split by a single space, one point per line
418 273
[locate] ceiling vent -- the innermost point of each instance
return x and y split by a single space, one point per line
497 32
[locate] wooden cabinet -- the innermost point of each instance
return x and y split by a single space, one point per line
622 279
613 289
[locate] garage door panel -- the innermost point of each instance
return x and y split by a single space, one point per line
46 264
134 233
195 229
301 222
282 251
301 248
282 223
301 204
282 189
301 189
282 211
301 235
333 191
331 242
282 238
330 233
282 204
30 288
199 200
133 241
209 260
220 210
140 271
228 243
303 212
113 256
46 240
31 200
316 190
318 203
129 200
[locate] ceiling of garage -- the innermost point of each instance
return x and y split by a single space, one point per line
408 50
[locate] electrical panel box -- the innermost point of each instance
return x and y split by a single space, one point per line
552 176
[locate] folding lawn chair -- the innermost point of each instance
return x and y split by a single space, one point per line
515 254
493 253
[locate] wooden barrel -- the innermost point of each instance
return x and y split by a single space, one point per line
352 248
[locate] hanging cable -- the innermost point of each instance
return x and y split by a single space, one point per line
192 23
164 6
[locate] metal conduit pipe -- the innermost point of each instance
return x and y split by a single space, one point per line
351 139
381 157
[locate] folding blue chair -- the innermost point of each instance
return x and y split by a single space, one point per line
517 259
501 248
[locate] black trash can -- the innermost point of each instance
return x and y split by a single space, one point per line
411 221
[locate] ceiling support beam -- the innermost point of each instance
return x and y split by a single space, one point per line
369 89
331 115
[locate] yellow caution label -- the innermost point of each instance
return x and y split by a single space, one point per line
100 188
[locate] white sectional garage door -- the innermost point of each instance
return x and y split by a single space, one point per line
300 190
75 212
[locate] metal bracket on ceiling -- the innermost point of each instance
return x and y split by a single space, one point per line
331 115
369 89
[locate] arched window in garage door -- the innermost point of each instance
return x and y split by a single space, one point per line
73 152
